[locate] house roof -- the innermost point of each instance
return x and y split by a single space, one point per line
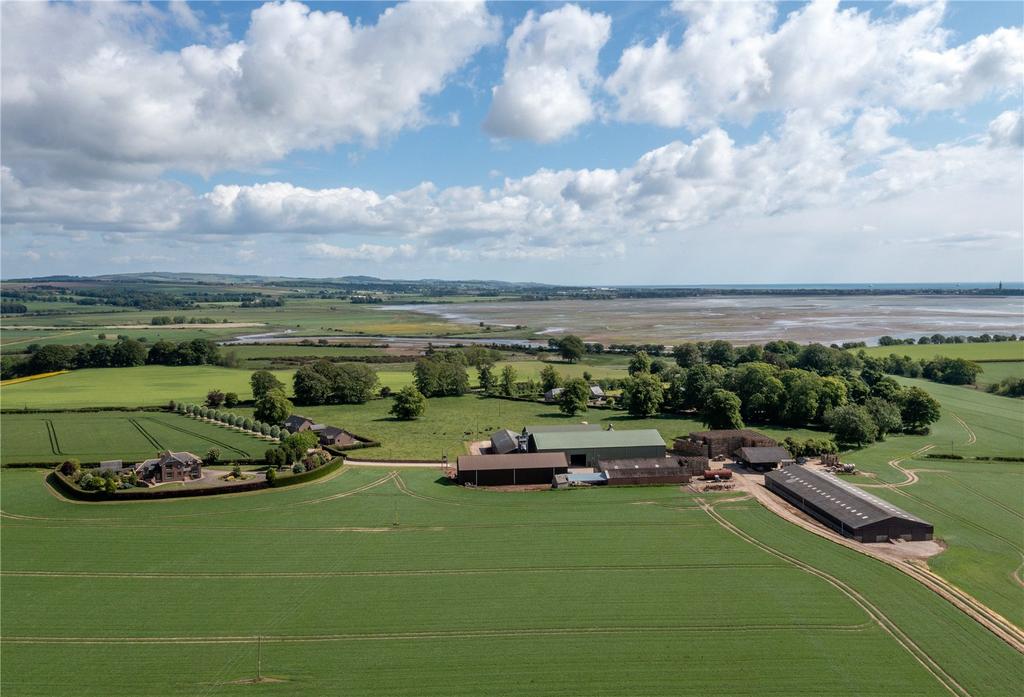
596 391
331 431
661 464
296 421
554 392
517 461
581 440
766 455
728 433
504 441
852 505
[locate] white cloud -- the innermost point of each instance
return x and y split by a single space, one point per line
88 95
550 71
670 192
364 252
1007 129
733 63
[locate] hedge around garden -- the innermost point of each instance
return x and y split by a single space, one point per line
322 470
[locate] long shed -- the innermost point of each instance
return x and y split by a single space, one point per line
515 468
587 448
845 508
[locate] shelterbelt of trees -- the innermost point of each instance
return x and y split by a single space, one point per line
124 353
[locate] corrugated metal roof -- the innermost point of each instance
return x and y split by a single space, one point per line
845 502
504 441
580 440
764 455
519 461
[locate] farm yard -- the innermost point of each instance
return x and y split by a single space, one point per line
129 436
385 580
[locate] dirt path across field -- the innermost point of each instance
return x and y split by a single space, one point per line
908 557
383 463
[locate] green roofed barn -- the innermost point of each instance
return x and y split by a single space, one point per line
586 447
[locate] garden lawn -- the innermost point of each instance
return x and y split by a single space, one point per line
364 583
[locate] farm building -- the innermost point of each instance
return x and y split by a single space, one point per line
553 394
585 447
845 508
331 435
560 428
504 442
170 467
295 424
655 470
722 442
596 394
517 468
764 458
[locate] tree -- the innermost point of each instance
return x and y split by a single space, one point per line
230 399
214 398
70 467
408 403
507 383
485 376
324 382
311 384
127 353
852 425
722 410
574 396
273 407
275 431
50 358
271 476
262 382
442 374
918 409
886 416
571 348
720 353
687 355
212 455
760 391
549 378
639 363
701 380
642 394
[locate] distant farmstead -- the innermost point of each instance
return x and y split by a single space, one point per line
847 509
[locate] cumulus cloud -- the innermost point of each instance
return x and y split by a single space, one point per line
1007 129
89 95
669 191
549 74
734 61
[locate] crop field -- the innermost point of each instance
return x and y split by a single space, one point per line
977 507
992 351
390 583
996 371
111 435
18 339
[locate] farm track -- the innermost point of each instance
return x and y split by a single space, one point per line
51 431
995 502
876 614
972 438
439 634
382 574
145 434
200 436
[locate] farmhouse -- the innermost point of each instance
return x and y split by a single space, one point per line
331 435
519 468
586 447
722 442
764 458
845 508
170 467
295 424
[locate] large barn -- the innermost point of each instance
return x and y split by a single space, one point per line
585 448
723 442
845 508
515 468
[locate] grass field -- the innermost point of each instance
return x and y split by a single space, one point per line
996 371
993 351
111 435
371 583
977 507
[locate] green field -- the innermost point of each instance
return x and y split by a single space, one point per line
992 351
996 371
368 583
977 507
114 435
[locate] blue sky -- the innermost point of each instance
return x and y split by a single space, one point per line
576 143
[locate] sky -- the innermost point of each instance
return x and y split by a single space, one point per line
577 143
